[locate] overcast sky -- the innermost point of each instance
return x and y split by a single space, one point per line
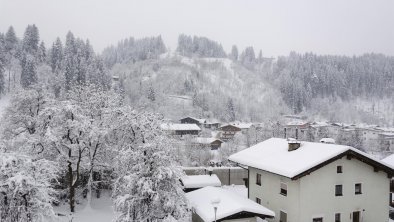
277 26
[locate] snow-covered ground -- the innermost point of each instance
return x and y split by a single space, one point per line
101 210
4 101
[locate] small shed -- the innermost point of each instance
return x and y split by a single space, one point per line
194 182
232 206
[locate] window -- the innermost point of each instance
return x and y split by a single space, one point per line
258 179
337 217
283 189
318 219
338 190
283 217
258 200
357 188
339 169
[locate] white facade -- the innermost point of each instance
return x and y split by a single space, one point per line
313 196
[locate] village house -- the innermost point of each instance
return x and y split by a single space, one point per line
228 131
297 129
212 124
316 182
211 143
386 141
181 129
192 120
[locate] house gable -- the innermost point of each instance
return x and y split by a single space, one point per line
230 128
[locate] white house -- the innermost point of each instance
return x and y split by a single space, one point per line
316 182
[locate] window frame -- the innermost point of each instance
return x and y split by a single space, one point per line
339 169
258 200
335 217
317 218
280 214
355 188
258 179
281 189
341 194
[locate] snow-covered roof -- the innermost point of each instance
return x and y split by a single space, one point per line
198 120
387 134
273 156
203 140
297 123
327 140
230 204
242 125
389 160
198 181
320 124
179 127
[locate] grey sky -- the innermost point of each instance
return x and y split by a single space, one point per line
275 26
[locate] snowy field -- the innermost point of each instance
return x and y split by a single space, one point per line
101 210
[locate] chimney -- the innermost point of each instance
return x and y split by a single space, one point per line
293 144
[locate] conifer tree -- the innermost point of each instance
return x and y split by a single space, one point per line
42 53
56 56
31 40
11 40
29 71
69 60
2 63
234 53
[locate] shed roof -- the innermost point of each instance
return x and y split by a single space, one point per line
230 204
198 181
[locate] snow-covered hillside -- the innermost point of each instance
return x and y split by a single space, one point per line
202 87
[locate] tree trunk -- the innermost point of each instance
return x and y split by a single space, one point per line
72 188
9 80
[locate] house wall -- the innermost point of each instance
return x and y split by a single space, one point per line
314 195
318 192
269 193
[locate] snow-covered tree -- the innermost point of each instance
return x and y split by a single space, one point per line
42 53
148 187
230 110
151 93
26 191
234 53
2 64
248 58
29 70
31 40
69 60
11 41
